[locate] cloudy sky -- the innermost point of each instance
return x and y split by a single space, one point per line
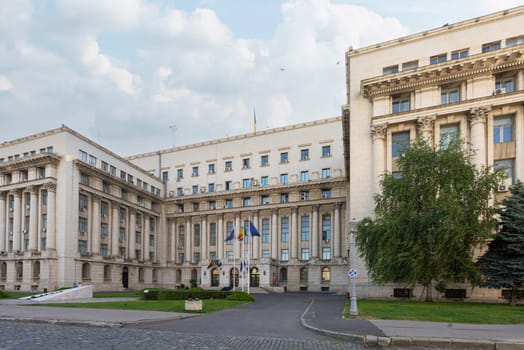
142 75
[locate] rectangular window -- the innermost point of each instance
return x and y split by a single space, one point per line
284 197
122 234
448 134
326 253
82 155
304 195
82 202
179 174
181 258
326 228
304 154
502 130
399 143
515 41
112 170
229 203
438 58
491 46
104 166
84 179
213 233
151 240
196 258
265 199
326 151
283 179
507 165
181 236
504 85
229 255
326 173
400 103
246 183
326 193
105 187
229 227
165 176
284 255
228 185
92 160
246 201
211 168
103 250
304 228
455 55
245 163
304 176
390 70
265 254
284 229
196 206
82 225
212 205
195 189
228 165
82 247
304 254
449 95
410 65
264 160
196 235
138 237
123 175
213 255
265 230
284 157
264 181
194 172
104 230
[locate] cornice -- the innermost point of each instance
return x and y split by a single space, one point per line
30 161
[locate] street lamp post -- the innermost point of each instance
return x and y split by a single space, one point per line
353 310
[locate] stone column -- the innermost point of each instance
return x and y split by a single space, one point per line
17 217
378 134
477 122
172 233
3 231
51 215
236 243
115 229
145 239
274 233
336 230
132 234
256 240
425 127
203 236
314 232
188 251
33 219
220 236
293 242
95 224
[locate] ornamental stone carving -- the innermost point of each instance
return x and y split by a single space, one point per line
50 186
425 123
478 115
378 131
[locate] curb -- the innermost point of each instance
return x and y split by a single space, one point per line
377 341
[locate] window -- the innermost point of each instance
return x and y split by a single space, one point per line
82 155
448 134
104 230
82 225
228 185
455 55
181 258
304 154
138 237
194 172
86 271
92 160
326 274
508 166
265 230
399 143
104 166
112 170
265 253
41 172
105 187
179 191
284 255
165 176
390 70
326 228
304 195
265 199
123 175
213 233
284 197
123 194
505 84
304 176
196 235
326 193
211 168
284 229
122 234
304 228
326 253
229 228
82 247
283 179
246 183
245 163
326 173
284 157
103 250
438 58
304 274
264 160
304 254
196 206
326 151
503 130
229 255
212 205
229 165
179 174
229 204
84 179
212 255
82 202
491 46
151 241
264 181
409 65
515 41
449 95
400 103
195 189
246 201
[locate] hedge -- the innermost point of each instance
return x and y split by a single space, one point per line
182 294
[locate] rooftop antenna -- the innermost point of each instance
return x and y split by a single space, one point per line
173 131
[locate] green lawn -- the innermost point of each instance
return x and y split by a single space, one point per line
17 295
452 312
210 305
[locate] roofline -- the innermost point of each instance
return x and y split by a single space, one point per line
515 11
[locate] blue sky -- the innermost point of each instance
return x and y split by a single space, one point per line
122 72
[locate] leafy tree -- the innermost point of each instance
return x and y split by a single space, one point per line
503 262
429 219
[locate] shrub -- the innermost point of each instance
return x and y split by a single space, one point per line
182 294
240 296
4 294
149 293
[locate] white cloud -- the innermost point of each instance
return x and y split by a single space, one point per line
5 84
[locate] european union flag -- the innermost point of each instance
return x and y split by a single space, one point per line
230 235
253 230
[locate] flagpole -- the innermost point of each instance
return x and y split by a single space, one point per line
234 267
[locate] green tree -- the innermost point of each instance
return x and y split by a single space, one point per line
503 263
429 218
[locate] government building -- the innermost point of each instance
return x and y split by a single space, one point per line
73 211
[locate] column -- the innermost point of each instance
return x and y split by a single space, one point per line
51 215
203 243
314 232
220 236
425 127
336 230
188 251
3 231
477 122
293 242
378 134
95 224
115 229
33 219
172 233
132 234
274 233
236 243
145 239
17 216
256 240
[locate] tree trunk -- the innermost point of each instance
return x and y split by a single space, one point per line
429 292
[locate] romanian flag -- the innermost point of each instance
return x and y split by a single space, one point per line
241 235
253 230
254 121
230 235
211 264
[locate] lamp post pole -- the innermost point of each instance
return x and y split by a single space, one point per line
353 310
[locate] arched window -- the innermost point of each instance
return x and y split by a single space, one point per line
254 277
215 277
107 273
283 275
326 274
303 275
36 271
86 271
178 276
